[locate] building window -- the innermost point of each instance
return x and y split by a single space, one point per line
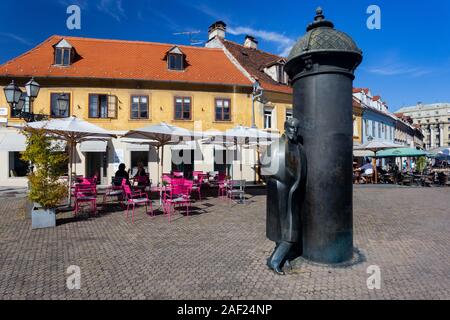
54 110
175 62
289 114
223 109
102 106
268 118
379 130
139 107
280 74
17 167
373 129
183 108
63 56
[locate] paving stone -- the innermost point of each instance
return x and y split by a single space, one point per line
219 252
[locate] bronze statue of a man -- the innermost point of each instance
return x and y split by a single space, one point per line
284 168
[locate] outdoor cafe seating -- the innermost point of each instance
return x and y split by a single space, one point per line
176 192
85 193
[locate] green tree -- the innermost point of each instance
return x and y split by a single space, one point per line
421 164
45 186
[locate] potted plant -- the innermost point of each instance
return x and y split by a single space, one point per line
45 188
421 164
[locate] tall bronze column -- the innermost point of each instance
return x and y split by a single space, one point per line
321 66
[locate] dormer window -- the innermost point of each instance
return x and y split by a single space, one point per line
276 71
175 59
281 75
63 53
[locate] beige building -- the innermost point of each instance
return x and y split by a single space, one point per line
434 120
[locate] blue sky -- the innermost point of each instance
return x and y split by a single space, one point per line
407 61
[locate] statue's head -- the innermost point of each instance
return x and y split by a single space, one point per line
291 127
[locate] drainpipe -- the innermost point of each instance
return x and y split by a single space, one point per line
257 93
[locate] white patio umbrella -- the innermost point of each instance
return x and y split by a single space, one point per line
376 146
72 130
242 136
163 134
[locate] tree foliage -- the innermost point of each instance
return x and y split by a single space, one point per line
421 164
45 186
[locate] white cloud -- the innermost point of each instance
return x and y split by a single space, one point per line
15 37
112 8
283 42
396 69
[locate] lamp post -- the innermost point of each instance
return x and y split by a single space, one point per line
17 100
256 94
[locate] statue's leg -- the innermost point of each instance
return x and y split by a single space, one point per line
293 254
279 256
273 252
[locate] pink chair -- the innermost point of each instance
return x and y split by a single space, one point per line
89 180
167 178
197 175
143 182
177 195
222 183
136 198
85 193
177 174
113 191
194 186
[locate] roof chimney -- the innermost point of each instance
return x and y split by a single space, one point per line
217 29
250 42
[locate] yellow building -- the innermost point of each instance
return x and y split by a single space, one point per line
123 85
357 122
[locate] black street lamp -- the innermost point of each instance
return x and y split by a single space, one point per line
12 94
32 88
17 100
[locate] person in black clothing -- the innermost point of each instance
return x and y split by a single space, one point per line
121 174
141 173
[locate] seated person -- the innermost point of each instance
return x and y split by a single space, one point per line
141 173
367 170
120 175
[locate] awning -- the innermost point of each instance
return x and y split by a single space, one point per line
362 153
93 146
136 144
12 141
186 145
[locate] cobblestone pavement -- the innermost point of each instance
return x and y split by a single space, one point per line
220 252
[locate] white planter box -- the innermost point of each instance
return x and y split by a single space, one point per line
42 218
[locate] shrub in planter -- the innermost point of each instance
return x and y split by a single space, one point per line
45 188
421 164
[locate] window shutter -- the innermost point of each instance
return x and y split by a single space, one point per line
112 106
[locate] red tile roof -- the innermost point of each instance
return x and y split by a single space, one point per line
254 61
117 59
357 90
